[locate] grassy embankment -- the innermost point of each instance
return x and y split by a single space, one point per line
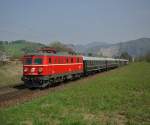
121 96
10 74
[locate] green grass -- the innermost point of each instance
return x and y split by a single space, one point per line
10 74
118 97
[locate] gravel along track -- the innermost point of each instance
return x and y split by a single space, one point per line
11 95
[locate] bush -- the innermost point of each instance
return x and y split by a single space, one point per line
147 57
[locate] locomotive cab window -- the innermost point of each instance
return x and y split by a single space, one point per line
28 61
38 61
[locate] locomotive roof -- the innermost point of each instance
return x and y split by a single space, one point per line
50 54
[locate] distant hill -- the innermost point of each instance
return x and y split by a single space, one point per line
19 47
90 47
135 48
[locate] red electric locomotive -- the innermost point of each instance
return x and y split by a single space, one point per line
48 67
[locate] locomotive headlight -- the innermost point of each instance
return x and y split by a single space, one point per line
32 70
40 70
25 69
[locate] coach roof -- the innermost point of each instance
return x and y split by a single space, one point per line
93 58
99 58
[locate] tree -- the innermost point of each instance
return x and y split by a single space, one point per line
125 55
60 47
147 56
90 54
2 47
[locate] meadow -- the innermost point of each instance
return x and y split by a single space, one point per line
10 74
117 97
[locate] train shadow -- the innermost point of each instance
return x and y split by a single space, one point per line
19 86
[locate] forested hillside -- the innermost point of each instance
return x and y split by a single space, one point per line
19 47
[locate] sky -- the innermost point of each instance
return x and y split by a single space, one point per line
74 21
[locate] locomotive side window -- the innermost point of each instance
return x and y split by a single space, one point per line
55 60
78 60
58 60
71 60
50 61
75 60
66 59
38 61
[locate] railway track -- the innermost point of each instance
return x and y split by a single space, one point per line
12 95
